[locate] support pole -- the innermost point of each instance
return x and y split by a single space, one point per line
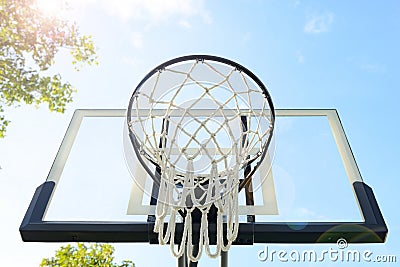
224 258
195 251
182 261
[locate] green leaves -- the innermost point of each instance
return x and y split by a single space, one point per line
82 53
3 123
94 255
29 42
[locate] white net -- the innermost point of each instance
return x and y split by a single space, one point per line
199 158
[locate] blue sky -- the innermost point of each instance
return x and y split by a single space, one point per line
310 54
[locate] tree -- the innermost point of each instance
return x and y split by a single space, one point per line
29 42
100 255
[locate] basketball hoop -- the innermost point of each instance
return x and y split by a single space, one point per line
200 158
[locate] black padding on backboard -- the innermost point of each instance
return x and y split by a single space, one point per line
370 209
372 230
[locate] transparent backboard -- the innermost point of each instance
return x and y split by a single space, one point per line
311 180
308 181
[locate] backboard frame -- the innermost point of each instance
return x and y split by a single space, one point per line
372 229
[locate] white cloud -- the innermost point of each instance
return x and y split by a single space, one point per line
365 65
185 24
130 61
149 13
296 3
300 57
373 67
154 11
137 39
319 24
206 17
246 38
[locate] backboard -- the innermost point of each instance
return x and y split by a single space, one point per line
312 193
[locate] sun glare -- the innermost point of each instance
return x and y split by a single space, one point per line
50 7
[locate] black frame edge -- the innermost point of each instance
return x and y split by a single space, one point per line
372 230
